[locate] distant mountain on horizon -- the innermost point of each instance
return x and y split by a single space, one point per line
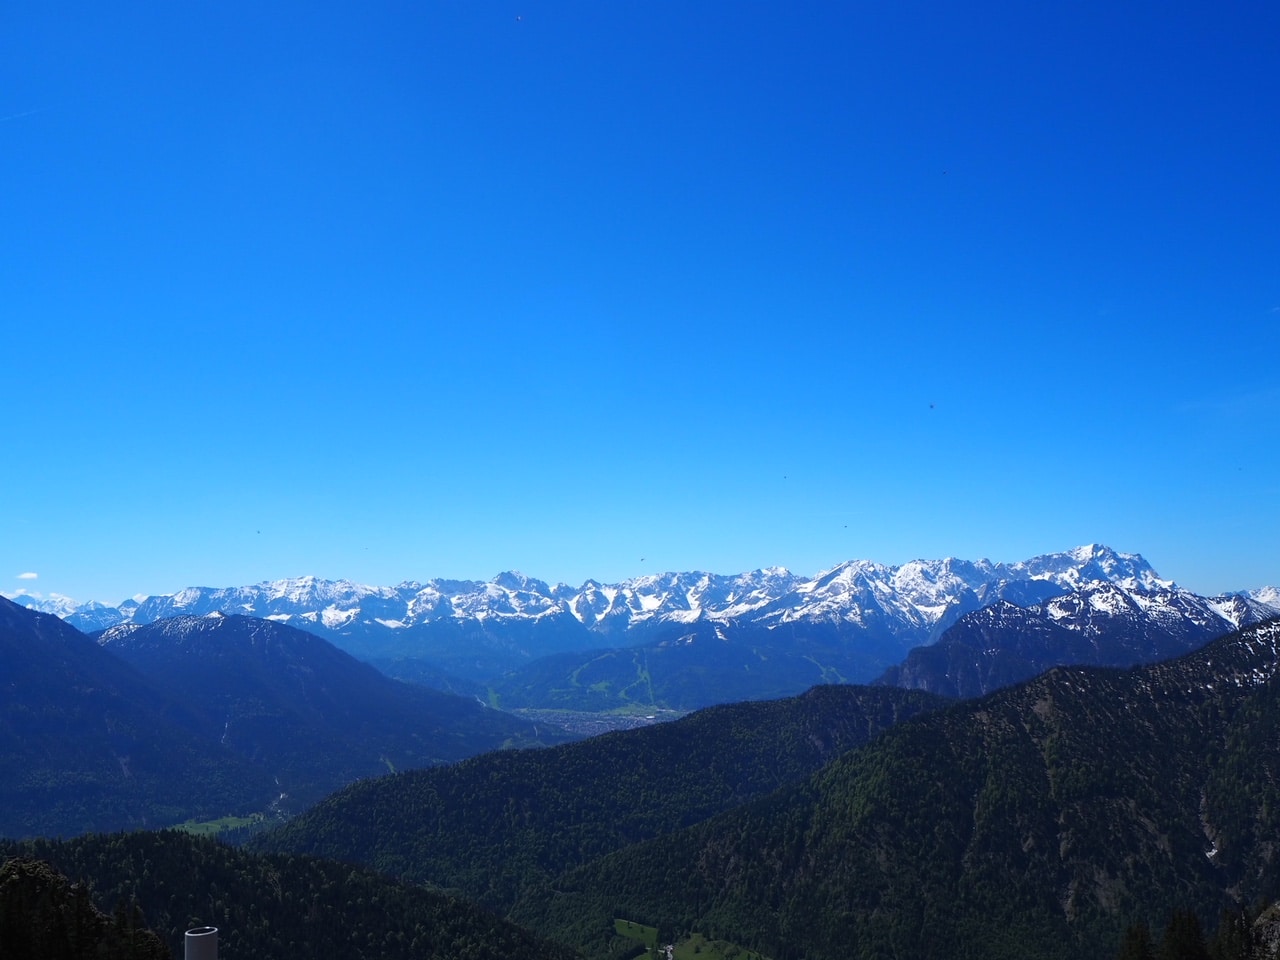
595 603
931 588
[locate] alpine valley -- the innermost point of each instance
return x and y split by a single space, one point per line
1063 757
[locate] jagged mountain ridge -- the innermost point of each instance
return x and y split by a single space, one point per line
516 618
1101 624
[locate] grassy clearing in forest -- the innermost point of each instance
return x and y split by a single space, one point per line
211 828
695 947
641 934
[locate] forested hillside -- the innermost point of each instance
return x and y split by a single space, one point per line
1038 822
492 826
205 717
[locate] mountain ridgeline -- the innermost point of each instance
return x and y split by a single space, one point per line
848 821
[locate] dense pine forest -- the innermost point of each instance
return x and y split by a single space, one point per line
493 826
266 907
43 916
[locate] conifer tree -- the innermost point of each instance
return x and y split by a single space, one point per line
1183 938
1234 940
1137 944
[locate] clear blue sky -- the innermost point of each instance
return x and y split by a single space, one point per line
596 289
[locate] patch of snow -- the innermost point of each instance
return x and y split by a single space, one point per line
332 617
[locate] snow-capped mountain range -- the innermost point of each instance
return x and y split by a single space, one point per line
518 618
923 592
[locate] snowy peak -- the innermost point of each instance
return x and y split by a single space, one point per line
1091 563
677 597
516 582
932 594
507 595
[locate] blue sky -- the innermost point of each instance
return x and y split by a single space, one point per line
597 289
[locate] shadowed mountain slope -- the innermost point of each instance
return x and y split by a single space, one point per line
43 916
88 743
311 715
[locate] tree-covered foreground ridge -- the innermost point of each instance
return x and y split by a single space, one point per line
265 907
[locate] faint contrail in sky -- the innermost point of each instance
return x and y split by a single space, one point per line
19 116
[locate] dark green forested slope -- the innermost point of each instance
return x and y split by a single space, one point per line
493 825
279 907
1037 822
